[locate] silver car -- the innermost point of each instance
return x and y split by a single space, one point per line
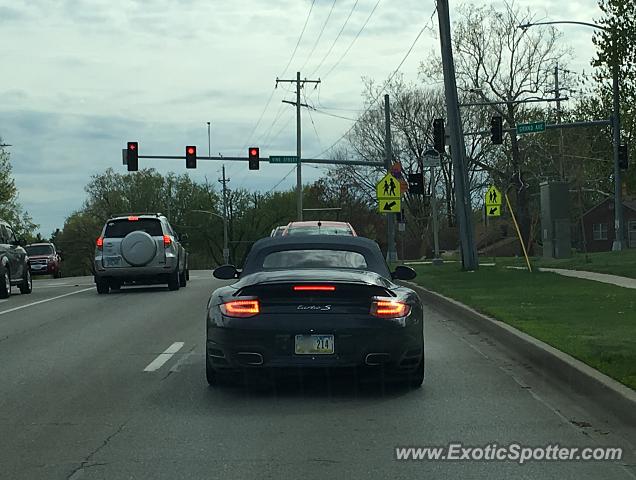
139 249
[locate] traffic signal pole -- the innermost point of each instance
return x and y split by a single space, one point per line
616 140
391 249
299 184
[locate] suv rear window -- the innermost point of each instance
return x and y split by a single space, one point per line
121 228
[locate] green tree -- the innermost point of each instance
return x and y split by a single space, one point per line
10 208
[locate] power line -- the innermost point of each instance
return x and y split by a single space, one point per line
281 180
336 39
313 49
372 102
354 39
299 38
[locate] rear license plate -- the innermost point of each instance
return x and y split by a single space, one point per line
112 261
314 345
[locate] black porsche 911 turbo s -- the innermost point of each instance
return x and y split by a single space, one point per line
315 301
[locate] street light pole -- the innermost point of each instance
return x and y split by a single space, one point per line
619 226
225 236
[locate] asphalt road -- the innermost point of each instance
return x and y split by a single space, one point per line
85 393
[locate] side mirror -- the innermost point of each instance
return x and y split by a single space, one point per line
183 237
403 273
226 272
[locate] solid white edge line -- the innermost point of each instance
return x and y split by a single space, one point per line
45 300
162 358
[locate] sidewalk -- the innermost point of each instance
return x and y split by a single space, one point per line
597 277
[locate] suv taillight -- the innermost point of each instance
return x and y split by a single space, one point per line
99 243
167 241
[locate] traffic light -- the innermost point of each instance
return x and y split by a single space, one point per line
496 130
132 160
623 157
253 156
439 134
416 183
191 156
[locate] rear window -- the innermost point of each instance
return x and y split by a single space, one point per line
39 250
121 228
315 259
319 231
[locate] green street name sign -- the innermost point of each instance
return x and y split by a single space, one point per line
530 127
282 159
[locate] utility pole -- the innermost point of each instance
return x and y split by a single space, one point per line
618 186
299 184
557 95
434 214
391 250
226 250
458 148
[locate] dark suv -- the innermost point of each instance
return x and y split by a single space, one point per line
14 263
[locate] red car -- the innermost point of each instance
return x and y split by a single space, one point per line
44 259
320 227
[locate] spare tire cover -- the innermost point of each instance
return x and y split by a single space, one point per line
138 248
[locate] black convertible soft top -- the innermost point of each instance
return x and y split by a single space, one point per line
368 248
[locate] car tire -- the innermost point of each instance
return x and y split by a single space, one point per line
103 287
58 274
115 285
211 375
5 283
173 280
416 378
188 274
26 286
183 279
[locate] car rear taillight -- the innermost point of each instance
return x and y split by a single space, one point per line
314 288
241 308
389 308
100 243
167 241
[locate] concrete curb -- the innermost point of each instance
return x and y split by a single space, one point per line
614 396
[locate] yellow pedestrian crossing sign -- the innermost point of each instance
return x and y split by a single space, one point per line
388 188
389 206
387 191
493 210
493 196
493 201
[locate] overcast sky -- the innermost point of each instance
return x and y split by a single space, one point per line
80 78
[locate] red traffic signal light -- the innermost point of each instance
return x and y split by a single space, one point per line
253 158
132 156
191 156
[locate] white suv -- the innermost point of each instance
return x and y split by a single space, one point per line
140 249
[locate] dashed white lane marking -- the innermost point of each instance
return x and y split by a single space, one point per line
45 300
163 357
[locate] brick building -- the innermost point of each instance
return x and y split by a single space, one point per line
599 225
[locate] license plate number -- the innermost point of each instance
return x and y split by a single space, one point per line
314 345
112 261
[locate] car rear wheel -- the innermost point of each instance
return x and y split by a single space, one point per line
26 286
416 378
58 274
103 287
173 280
183 279
5 283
